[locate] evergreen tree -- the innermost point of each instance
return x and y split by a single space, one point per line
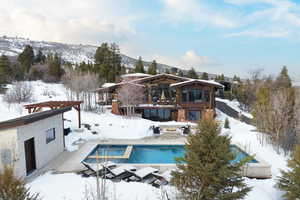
40 57
220 78
152 68
123 70
283 80
207 172
236 78
139 66
204 76
174 70
180 73
17 72
192 74
108 62
55 67
290 180
5 69
26 58
226 123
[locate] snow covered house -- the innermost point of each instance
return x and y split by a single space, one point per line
166 97
30 142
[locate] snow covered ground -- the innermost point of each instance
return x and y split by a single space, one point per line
72 186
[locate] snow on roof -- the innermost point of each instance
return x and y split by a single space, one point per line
136 75
158 75
106 85
211 82
145 171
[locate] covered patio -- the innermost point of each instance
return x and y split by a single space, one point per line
53 105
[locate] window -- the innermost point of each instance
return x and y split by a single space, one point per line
157 114
185 95
194 115
206 95
192 95
147 113
50 135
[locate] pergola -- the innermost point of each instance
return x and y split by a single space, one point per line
36 107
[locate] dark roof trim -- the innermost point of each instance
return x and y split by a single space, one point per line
20 121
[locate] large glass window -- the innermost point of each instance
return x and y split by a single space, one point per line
184 95
192 95
161 92
147 113
194 115
157 114
206 95
50 135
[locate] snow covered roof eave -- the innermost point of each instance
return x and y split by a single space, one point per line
136 75
209 82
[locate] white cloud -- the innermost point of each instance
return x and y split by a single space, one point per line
177 11
262 33
188 60
279 19
91 21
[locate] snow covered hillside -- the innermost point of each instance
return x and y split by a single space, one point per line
74 53
72 187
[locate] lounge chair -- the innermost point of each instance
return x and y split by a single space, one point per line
101 168
142 175
162 179
120 172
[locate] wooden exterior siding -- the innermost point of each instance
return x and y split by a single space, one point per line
199 105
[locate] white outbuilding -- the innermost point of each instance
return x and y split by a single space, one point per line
30 142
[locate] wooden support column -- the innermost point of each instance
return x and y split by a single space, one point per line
77 107
210 98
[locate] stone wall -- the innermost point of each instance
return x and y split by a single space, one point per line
181 115
115 107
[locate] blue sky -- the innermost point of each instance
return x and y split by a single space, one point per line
217 36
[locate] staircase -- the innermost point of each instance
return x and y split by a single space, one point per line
232 112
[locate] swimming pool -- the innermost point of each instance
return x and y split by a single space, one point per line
147 154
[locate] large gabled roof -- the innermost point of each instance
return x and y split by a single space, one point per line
171 76
27 119
181 80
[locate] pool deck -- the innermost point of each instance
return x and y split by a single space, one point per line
70 162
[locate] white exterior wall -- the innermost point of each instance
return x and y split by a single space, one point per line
8 139
44 153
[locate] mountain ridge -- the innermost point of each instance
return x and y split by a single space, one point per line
74 53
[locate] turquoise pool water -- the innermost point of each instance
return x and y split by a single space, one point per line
161 154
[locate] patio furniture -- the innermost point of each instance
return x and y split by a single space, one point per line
162 179
143 174
185 130
101 168
156 130
121 172
67 131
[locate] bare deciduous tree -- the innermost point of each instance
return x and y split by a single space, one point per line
81 86
130 95
19 92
